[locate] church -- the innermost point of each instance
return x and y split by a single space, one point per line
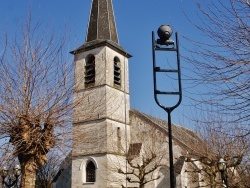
115 146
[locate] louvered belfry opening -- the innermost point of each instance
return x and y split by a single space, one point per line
117 71
90 70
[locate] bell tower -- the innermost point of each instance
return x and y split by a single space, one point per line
101 115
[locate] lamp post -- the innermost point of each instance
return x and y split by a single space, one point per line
222 166
5 173
164 43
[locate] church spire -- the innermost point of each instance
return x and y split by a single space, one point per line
102 22
101 29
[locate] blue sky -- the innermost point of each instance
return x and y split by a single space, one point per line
135 20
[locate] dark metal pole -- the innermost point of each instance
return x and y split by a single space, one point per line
10 183
171 161
168 109
226 180
224 177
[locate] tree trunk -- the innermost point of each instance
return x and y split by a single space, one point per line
29 168
142 186
28 174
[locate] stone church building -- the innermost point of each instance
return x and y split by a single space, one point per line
114 145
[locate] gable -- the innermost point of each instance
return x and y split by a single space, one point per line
183 138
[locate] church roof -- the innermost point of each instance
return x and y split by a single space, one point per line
185 138
101 28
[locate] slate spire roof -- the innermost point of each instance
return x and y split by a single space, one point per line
102 22
101 29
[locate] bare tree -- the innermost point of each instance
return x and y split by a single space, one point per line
244 172
36 89
220 63
145 156
220 142
45 175
221 59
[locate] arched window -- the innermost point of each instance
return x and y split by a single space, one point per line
90 70
117 71
90 172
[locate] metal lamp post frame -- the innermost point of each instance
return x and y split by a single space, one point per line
173 47
222 166
5 173
10 183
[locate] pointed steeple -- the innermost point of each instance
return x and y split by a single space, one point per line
101 28
102 22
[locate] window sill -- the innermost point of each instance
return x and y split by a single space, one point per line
88 183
